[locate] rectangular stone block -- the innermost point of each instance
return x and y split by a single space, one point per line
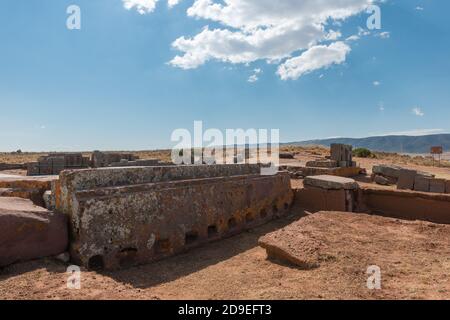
387 171
437 185
447 186
32 169
330 182
406 179
127 216
422 184
322 164
341 152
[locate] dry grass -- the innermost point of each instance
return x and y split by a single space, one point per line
165 156
407 159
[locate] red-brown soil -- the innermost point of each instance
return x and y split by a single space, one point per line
414 257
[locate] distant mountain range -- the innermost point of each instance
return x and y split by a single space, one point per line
399 144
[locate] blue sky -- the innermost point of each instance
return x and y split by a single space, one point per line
112 86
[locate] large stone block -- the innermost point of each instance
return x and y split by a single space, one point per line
342 154
437 185
447 186
422 183
331 182
406 179
29 232
127 216
388 171
103 159
322 164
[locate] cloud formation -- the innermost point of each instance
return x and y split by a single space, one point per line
299 35
418 112
145 6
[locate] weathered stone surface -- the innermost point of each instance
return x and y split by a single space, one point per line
49 200
31 188
136 163
29 232
322 164
409 205
381 180
406 179
12 166
315 199
342 154
437 185
286 155
54 163
387 171
425 174
31 194
103 159
331 182
127 216
447 186
422 184
292 247
326 239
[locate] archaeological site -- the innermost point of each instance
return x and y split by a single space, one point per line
112 215
209 159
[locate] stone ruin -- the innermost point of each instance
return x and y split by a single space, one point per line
341 157
407 179
104 159
54 163
339 163
126 216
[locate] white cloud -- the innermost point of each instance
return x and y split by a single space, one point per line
145 6
286 32
173 3
376 83
253 78
268 30
415 132
419 8
316 57
384 35
142 6
418 112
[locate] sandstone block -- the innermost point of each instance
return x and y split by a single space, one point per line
388 171
331 182
29 232
381 180
406 179
437 185
422 184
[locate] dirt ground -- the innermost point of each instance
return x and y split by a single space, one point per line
368 163
416 266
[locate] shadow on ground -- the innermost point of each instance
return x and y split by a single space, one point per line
173 268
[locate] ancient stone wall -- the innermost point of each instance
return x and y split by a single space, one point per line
104 159
125 216
54 163
409 205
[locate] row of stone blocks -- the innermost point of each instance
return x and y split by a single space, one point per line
54 163
126 216
407 179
